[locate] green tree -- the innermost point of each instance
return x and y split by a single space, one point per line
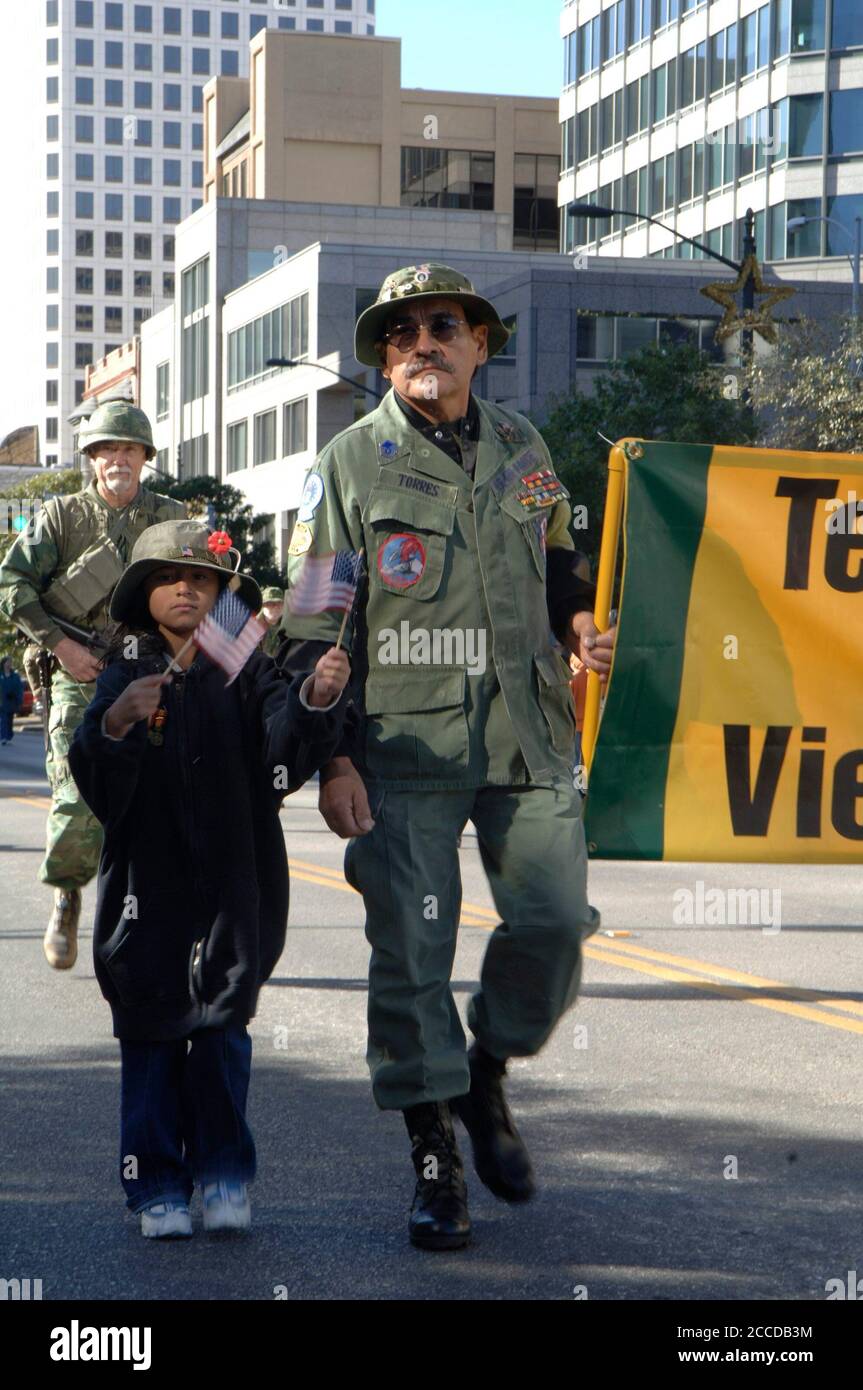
670 392
38 487
225 508
809 392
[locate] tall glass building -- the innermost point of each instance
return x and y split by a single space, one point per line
693 111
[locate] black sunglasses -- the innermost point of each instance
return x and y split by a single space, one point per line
403 335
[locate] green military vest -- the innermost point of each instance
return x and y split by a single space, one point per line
463 683
69 566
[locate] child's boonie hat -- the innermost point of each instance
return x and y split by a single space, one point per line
177 543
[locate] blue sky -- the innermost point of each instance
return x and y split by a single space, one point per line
508 46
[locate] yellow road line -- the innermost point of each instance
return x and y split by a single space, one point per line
467 919
43 802
742 996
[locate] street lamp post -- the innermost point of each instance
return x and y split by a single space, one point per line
295 362
795 222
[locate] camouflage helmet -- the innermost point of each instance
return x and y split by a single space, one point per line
273 595
416 283
119 421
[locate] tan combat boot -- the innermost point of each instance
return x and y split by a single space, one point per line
61 939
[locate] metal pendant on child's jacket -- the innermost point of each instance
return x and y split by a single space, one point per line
157 724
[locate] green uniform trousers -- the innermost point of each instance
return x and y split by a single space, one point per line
74 835
531 842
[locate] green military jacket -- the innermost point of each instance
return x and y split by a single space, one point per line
462 683
69 566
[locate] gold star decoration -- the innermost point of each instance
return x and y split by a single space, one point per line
761 320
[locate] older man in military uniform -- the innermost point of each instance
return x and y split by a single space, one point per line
55 583
467 716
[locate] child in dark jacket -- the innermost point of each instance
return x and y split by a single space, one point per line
187 775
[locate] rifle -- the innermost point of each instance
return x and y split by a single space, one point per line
93 640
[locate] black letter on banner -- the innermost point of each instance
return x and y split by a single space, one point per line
847 789
838 553
750 812
804 493
810 785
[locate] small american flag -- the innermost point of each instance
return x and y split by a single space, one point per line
229 634
326 581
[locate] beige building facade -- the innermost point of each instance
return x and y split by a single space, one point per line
325 119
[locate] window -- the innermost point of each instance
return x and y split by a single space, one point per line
611 120
284 332
114 282
84 14
287 23
194 454
143 131
83 204
84 167
230 26
535 215
295 427
168 284
83 243
172 20
143 19
238 446
113 207
52 279
140 314
197 98
52 89
587 59
52 317
847 24
113 91
198 176
846 121
806 239
143 246
195 360
343 26
143 205
51 427
256 22
197 135
113 168
230 63
51 12
163 382
84 91
800 25
83 52
171 135
315 26
83 318
163 460
172 58
265 437
614 25
143 57
52 393
843 209
167 248
113 318
172 96
201 61
805 119
114 245
171 211
52 126
143 284
144 95
196 286
52 204
83 354
143 170
113 54
113 129
113 16
52 241
171 172
447 178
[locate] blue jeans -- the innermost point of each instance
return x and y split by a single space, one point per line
183 1114
6 718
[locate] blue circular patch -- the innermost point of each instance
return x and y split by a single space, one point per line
312 494
388 448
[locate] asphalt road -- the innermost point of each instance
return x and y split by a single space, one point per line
694 1053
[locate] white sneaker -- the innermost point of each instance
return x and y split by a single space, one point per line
226 1206
166 1219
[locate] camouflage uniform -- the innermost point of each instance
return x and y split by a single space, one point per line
271 642
40 577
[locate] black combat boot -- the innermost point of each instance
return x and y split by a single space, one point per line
499 1155
439 1218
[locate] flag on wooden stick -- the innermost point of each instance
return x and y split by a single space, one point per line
229 633
326 582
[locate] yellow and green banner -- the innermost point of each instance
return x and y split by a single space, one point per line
733 725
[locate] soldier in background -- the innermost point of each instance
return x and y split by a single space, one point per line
55 584
271 612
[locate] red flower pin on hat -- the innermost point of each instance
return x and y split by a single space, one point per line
219 543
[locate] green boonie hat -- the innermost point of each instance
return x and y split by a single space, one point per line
415 283
119 421
273 595
175 543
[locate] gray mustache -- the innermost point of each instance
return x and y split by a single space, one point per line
433 361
